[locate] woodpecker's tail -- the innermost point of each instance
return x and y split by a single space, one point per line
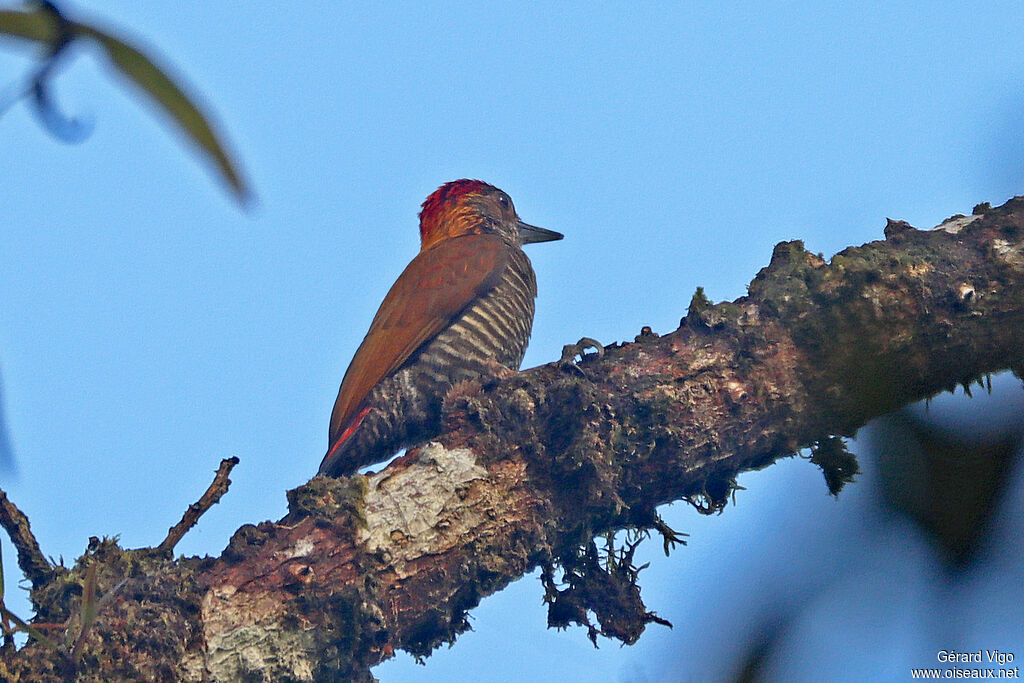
335 463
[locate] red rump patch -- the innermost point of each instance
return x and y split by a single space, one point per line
446 196
352 426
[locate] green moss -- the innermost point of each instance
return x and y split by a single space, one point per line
715 493
127 584
329 498
352 634
699 303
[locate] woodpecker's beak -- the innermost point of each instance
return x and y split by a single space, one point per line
531 233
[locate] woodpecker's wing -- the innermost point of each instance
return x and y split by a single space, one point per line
429 294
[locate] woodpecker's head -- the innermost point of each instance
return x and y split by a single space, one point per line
472 207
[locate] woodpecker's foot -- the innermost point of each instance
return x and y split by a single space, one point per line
497 370
570 351
469 388
466 389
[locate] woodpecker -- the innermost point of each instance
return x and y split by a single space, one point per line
461 310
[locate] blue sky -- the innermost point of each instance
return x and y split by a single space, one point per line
149 328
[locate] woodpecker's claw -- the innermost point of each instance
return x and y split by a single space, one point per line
570 351
497 370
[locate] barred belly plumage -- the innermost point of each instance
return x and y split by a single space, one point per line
405 408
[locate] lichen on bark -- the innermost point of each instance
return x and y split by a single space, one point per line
532 469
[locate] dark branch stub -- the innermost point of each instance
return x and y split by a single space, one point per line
196 510
30 558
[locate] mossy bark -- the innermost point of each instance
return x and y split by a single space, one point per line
532 468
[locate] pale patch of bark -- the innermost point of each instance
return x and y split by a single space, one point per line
530 470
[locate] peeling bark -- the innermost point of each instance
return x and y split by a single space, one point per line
532 468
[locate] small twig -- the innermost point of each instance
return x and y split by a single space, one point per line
196 510
27 628
30 558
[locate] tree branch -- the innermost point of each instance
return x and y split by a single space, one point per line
211 497
30 558
532 468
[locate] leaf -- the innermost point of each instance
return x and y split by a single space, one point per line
50 27
88 611
89 598
154 82
38 25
